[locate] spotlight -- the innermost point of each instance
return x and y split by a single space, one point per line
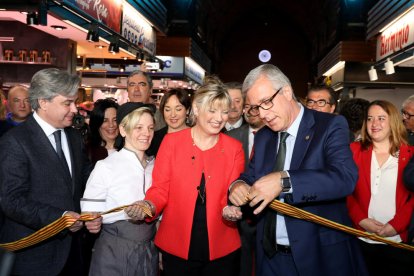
122 68
42 13
31 19
58 27
114 46
389 67
140 56
93 33
372 74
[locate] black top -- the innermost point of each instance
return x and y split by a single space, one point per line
199 250
156 141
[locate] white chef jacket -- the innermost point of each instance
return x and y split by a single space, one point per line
120 179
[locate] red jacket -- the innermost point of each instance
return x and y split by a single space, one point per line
176 175
358 202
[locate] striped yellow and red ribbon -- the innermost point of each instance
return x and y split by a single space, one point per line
286 209
57 226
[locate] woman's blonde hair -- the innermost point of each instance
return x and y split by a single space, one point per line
132 119
398 135
212 92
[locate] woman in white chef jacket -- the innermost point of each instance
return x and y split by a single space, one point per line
124 247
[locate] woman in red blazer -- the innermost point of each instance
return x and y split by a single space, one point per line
380 203
193 171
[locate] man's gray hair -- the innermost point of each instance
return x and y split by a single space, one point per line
145 74
271 72
408 101
51 82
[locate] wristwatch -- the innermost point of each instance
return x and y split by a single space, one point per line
285 182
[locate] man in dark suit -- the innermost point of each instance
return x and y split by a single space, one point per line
247 226
311 168
42 176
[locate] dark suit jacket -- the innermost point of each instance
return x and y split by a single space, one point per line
35 190
409 175
322 174
242 134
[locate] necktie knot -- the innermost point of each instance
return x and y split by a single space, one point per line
283 137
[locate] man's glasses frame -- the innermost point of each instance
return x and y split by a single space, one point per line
319 103
406 115
265 105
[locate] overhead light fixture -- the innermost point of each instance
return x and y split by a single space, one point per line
140 56
114 45
42 13
389 67
373 76
93 33
122 68
58 27
31 19
100 46
338 66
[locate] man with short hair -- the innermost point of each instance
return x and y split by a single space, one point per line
139 87
19 107
236 106
247 226
43 171
407 112
301 157
321 98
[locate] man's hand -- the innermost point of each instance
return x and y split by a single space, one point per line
78 224
94 226
239 193
371 225
387 231
265 190
232 213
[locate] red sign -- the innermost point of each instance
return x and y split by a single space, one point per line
108 12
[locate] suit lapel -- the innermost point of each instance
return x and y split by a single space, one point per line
303 139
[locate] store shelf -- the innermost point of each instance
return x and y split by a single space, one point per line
24 62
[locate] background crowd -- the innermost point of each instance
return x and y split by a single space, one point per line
198 174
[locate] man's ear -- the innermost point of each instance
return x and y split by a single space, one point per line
43 103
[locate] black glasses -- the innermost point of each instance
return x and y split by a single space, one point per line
320 103
406 115
265 105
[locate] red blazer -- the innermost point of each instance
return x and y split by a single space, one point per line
176 175
358 202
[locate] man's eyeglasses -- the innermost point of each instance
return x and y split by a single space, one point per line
320 103
134 84
265 105
406 115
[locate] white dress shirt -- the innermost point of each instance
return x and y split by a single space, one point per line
120 179
49 130
281 232
383 191
237 124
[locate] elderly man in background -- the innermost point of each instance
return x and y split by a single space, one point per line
407 112
236 107
139 87
18 105
321 98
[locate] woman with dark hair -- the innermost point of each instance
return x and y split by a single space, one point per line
175 108
380 203
103 130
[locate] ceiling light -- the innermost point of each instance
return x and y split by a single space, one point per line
100 46
122 68
93 33
58 27
389 67
372 74
114 46
31 19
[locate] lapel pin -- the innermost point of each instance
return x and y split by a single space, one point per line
307 137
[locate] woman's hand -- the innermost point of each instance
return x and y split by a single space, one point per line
232 213
139 210
371 225
387 231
